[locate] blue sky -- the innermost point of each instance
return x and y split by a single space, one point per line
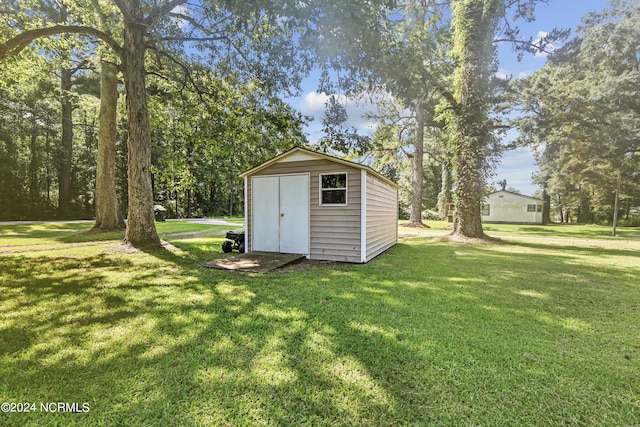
516 166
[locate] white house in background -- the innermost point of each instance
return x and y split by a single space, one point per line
505 206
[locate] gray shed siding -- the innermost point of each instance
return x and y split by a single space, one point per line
381 216
334 231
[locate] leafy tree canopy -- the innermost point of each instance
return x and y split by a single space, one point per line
582 113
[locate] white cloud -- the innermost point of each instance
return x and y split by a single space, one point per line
313 104
504 74
548 48
181 10
501 74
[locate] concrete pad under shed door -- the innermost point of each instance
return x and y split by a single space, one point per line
280 214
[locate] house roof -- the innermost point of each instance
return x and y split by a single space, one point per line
515 194
301 154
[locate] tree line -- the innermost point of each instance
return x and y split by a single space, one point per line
578 114
194 117
581 114
196 94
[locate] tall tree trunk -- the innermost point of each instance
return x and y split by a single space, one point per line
615 206
546 207
444 196
64 176
107 213
417 189
188 196
473 26
34 193
585 211
48 168
231 182
141 228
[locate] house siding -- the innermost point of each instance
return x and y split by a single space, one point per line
334 232
508 207
381 216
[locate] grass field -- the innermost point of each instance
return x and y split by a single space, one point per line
540 328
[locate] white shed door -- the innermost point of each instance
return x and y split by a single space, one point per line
294 214
266 214
281 214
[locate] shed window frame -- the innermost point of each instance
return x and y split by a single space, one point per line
485 209
532 208
323 190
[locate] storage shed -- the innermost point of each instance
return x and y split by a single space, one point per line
320 206
509 207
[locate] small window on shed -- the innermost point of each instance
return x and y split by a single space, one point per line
333 189
485 209
531 208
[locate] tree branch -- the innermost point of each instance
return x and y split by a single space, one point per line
189 19
79 66
163 10
15 45
194 39
448 96
187 73
526 43
124 9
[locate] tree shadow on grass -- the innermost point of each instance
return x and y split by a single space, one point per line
492 300
425 334
184 353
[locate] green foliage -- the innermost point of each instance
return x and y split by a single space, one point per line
468 118
404 58
475 105
391 153
206 131
35 77
226 115
583 115
27 140
30 135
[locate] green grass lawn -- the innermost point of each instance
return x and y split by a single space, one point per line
548 231
541 328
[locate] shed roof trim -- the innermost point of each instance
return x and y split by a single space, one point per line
299 153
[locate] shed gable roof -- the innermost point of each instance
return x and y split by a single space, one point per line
302 154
